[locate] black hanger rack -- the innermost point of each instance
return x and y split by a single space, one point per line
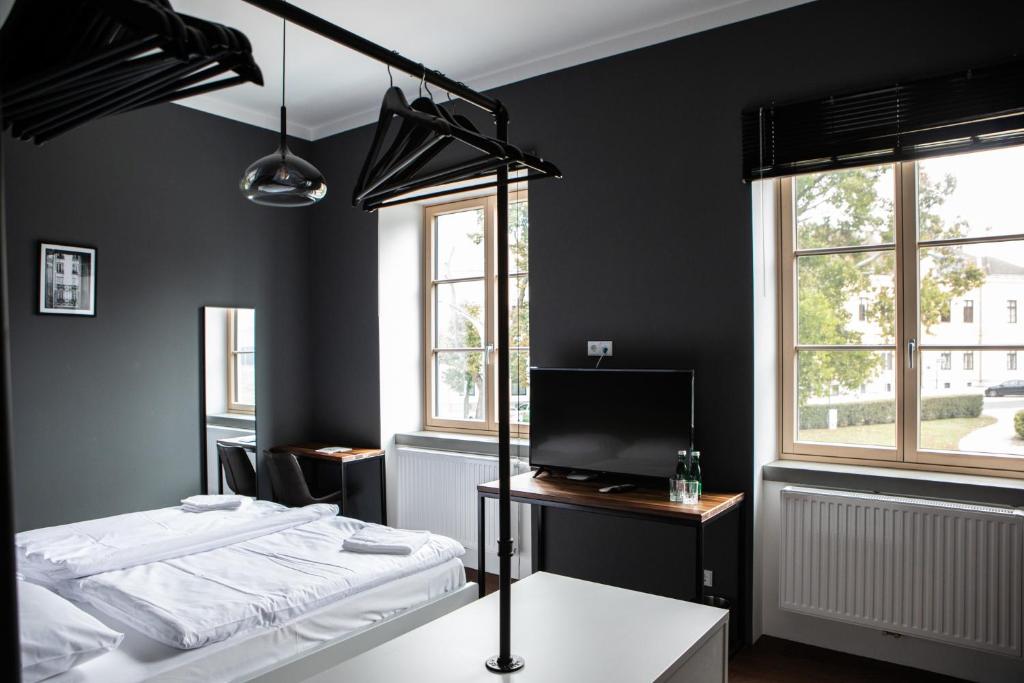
499 156
65 64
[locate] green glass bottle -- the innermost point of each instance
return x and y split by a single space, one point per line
683 465
695 471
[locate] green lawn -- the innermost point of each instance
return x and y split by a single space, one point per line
942 435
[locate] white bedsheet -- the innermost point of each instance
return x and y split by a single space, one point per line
237 659
206 597
81 549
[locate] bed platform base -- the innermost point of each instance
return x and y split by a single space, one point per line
331 654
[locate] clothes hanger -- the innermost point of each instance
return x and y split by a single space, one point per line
108 56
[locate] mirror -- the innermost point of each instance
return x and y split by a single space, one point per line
229 400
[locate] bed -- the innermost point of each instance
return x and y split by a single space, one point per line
266 586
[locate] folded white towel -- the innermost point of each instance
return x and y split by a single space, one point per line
213 502
385 540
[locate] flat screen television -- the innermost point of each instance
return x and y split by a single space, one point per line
618 421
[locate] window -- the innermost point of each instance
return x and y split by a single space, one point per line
461 326
1011 311
241 360
872 261
59 261
968 311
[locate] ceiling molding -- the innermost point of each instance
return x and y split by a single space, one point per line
720 14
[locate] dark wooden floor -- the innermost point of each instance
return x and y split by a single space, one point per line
492 580
774 659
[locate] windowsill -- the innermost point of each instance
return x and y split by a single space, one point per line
948 485
241 420
477 444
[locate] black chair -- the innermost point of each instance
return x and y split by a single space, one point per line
239 472
290 487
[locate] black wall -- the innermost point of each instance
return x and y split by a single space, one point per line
647 239
106 409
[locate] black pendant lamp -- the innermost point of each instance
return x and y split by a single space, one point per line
282 178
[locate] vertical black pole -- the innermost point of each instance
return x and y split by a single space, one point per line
11 652
505 661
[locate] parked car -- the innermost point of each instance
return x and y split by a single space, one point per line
1011 387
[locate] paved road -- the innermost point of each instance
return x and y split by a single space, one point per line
1001 436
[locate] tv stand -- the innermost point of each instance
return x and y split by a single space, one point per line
577 475
636 539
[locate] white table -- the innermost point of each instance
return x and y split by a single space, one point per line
567 630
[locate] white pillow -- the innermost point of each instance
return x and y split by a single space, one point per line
56 635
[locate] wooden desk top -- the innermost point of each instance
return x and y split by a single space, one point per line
556 489
309 450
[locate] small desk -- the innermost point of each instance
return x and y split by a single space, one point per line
551 491
566 630
346 461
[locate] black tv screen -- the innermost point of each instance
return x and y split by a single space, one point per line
621 421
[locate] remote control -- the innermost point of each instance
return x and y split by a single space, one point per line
617 488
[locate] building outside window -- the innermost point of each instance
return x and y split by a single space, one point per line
461 352
864 281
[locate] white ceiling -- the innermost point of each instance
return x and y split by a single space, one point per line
484 43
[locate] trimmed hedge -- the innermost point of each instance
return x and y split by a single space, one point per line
1018 423
884 412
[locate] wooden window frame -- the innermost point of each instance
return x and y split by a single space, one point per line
489 425
233 353
906 454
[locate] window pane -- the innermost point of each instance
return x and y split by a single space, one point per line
966 291
846 397
459 315
853 207
459 245
245 379
971 195
459 389
834 290
519 386
971 407
519 311
245 329
518 236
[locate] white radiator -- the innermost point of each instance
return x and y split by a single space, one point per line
940 570
437 492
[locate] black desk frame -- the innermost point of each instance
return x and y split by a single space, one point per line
342 464
699 527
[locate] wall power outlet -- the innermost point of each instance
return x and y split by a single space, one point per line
599 348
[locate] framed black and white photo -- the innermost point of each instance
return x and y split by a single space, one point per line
67 279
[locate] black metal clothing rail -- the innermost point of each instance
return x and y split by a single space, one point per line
505 661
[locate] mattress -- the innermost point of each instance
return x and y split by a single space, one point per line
203 598
141 658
